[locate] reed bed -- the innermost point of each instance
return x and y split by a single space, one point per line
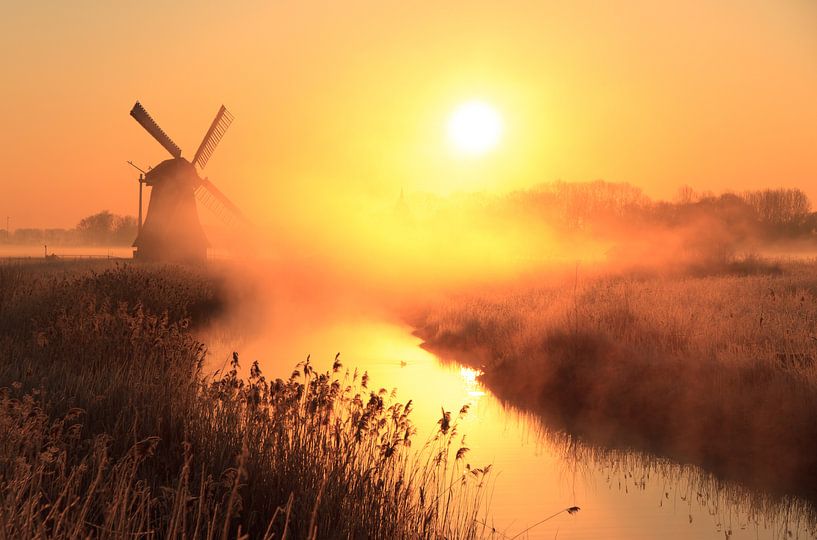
112 430
718 370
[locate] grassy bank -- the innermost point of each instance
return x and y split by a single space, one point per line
112 430
717 371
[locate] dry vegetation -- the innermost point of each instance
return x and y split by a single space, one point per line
718 371
111 430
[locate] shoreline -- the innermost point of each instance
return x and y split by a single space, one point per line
625 381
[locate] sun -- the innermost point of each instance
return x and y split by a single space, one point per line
475 127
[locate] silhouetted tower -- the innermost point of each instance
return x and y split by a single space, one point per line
172 231
401 210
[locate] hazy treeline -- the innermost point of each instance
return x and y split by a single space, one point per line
592 206
104 229
620 223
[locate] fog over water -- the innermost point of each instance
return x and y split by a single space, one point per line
326 299
535 472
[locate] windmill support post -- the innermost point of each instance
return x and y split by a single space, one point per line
141 181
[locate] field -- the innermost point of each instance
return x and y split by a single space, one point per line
112 429
716 370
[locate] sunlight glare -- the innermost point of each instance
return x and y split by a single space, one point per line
475 127
472 386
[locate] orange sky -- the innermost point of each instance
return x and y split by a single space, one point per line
340 104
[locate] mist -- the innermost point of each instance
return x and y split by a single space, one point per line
393 249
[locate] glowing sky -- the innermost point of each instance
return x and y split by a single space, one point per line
348 100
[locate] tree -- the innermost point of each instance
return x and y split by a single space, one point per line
125 230
783 211
28 236
98 228
685 195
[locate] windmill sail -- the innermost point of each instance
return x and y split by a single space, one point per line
141 115
211 139
211 197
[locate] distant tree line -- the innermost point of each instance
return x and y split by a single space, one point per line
102 229
768 214
692 226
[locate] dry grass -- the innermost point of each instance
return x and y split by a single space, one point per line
110 429
718 371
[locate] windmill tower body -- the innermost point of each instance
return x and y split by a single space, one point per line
172 230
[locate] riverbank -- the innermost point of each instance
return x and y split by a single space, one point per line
717 371
113 429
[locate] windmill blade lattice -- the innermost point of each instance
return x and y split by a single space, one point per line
212 198
141 115
211 139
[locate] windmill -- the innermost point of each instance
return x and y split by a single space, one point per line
172 230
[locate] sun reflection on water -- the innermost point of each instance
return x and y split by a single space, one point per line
472 385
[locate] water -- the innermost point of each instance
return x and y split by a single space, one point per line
536 473
68 252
